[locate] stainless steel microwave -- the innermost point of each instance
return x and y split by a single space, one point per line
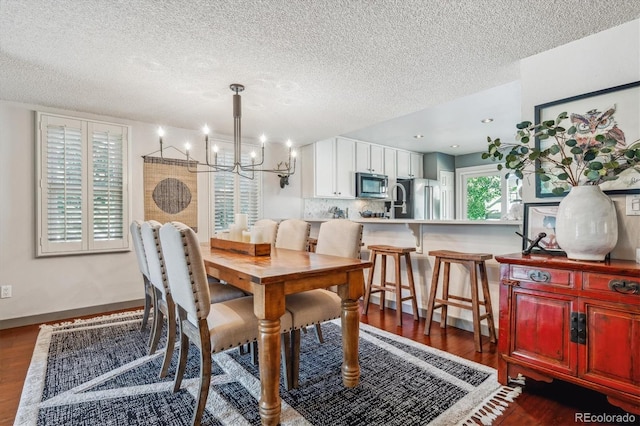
370 185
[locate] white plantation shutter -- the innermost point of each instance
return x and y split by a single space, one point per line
64 183
82 192
108 189
231 191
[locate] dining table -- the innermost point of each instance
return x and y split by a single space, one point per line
270 278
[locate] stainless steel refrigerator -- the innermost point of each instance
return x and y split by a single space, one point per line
423 199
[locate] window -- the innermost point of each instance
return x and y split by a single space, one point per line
233 193
82 204
484 193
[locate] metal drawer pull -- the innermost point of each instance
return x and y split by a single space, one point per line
539 276
623 286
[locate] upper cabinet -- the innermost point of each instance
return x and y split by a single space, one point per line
369 158
390 163
409 164
416 165
329 166
327 169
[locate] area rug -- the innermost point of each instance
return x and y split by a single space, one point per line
97 372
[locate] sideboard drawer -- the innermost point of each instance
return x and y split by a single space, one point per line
621 284
556 277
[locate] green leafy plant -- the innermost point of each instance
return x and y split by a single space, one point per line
565 162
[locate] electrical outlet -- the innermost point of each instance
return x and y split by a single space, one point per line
6 292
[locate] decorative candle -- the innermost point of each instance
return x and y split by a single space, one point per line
246 236
257 234
241 221
235 233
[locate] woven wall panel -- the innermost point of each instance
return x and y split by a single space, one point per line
170 191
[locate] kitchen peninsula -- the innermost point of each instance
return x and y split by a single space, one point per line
488 236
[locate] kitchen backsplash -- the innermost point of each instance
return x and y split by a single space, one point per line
325 207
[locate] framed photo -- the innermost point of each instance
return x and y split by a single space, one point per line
589 109
541 217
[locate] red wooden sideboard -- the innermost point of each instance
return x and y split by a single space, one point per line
571 320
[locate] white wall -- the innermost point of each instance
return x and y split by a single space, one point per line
54 284
607 59
281 203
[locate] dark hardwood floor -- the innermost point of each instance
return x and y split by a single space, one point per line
540 404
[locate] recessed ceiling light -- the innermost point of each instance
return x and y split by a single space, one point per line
487 120
454 146
419 136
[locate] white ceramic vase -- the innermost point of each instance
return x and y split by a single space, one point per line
586 224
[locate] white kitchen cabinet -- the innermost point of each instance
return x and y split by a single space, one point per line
404 164
327 169
409 164
416 165
390 163
369 158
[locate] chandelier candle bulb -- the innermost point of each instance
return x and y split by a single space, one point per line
160 135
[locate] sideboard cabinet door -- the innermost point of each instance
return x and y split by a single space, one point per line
540 331
611 355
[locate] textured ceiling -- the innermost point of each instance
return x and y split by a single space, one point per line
312 69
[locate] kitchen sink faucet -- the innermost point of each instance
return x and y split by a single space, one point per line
393 202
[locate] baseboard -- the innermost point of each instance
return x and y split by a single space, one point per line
69 314
460 323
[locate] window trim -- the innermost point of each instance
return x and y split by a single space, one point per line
87 245
464 173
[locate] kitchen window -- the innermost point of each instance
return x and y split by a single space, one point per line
233 193
82 186
485 194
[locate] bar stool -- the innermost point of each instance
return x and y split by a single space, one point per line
396 287
471 261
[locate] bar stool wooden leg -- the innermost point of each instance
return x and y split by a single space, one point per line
432 295
412 287
372 270
475 307
445 294
487 302
383 280
398 283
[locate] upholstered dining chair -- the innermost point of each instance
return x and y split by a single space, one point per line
211 327
270 229
293 234
136 236
338 237
163 302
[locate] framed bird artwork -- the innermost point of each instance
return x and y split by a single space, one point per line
613 113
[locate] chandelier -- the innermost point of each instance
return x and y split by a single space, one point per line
248 170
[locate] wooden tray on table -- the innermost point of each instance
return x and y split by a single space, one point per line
252 249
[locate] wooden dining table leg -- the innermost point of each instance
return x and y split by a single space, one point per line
269 306
350 293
